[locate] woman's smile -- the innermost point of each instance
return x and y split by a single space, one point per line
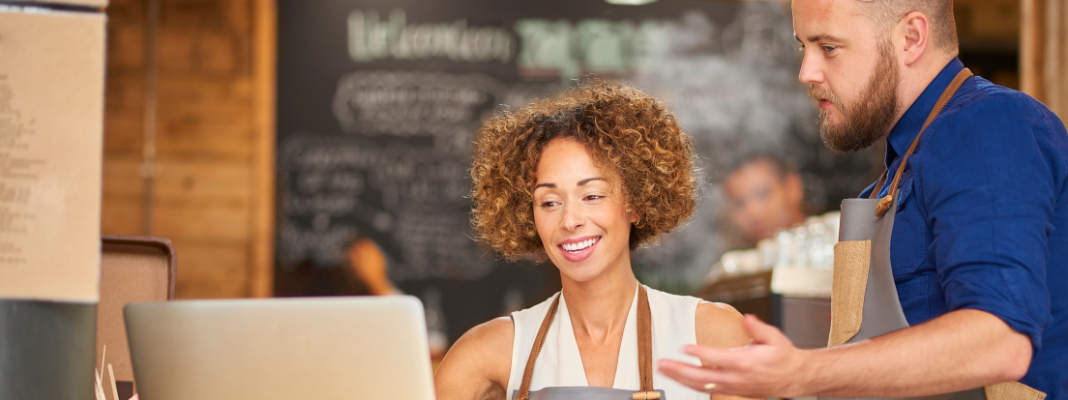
578 249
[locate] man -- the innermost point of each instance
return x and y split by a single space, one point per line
764 196
979 249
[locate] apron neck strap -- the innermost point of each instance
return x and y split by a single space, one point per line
645 349
528 373
886 202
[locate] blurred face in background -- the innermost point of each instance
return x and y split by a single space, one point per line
763 199
851 72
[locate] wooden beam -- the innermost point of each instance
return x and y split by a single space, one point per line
1056 57
261 245
1032 44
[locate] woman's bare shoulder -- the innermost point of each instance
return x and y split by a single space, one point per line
479 363
720 325
493 338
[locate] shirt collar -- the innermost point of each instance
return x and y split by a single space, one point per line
908 127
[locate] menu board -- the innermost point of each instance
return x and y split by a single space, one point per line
51 149
379 101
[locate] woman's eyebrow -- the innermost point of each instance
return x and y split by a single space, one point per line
588 180
580 183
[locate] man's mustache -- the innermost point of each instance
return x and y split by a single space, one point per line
821 94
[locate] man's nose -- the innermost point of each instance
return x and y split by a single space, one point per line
811 70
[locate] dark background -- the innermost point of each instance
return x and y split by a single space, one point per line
400 177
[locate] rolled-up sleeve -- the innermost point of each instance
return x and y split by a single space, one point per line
991 214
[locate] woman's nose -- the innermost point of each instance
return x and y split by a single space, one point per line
573 217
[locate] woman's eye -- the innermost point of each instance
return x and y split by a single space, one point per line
546 204
594 197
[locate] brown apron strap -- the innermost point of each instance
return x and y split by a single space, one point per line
878 186
886 202
645 349
528 373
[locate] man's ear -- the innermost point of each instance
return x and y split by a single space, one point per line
912 36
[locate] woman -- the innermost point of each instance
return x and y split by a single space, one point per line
582 180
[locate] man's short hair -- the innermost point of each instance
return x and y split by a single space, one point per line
887 13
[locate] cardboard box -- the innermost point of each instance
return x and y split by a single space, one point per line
100 4
51 149
132 269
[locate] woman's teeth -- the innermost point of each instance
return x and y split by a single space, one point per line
580 246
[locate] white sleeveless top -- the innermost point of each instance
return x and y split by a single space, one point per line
559 364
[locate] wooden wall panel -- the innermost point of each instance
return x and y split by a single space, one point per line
122 215
207 182
264 76
211 270
1044 53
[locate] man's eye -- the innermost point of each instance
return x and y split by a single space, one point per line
829 49
801 48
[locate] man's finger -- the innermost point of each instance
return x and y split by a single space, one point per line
764 333
721 358
693 384
690 375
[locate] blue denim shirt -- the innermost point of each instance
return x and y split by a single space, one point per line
982 219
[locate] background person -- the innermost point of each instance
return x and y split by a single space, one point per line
765 196
979 249
368 264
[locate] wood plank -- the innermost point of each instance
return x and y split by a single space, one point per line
124 92
126 45
125 11
201 220
122 177
121 215
183 87
176 50
262 227
204 180
196 139
206 52
1032 46
123 134
1056 57
207 14
243 16
210 270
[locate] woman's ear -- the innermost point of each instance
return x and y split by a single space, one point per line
632 216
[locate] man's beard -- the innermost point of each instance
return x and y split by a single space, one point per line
865 121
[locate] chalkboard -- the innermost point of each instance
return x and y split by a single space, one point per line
378 102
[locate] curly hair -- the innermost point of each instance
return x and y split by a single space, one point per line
625 131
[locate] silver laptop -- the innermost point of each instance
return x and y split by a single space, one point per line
311 348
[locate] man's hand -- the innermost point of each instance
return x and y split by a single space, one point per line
770 366
961 350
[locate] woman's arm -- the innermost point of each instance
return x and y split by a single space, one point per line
478 365
720 325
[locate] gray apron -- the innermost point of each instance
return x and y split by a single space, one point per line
645 364
864 300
